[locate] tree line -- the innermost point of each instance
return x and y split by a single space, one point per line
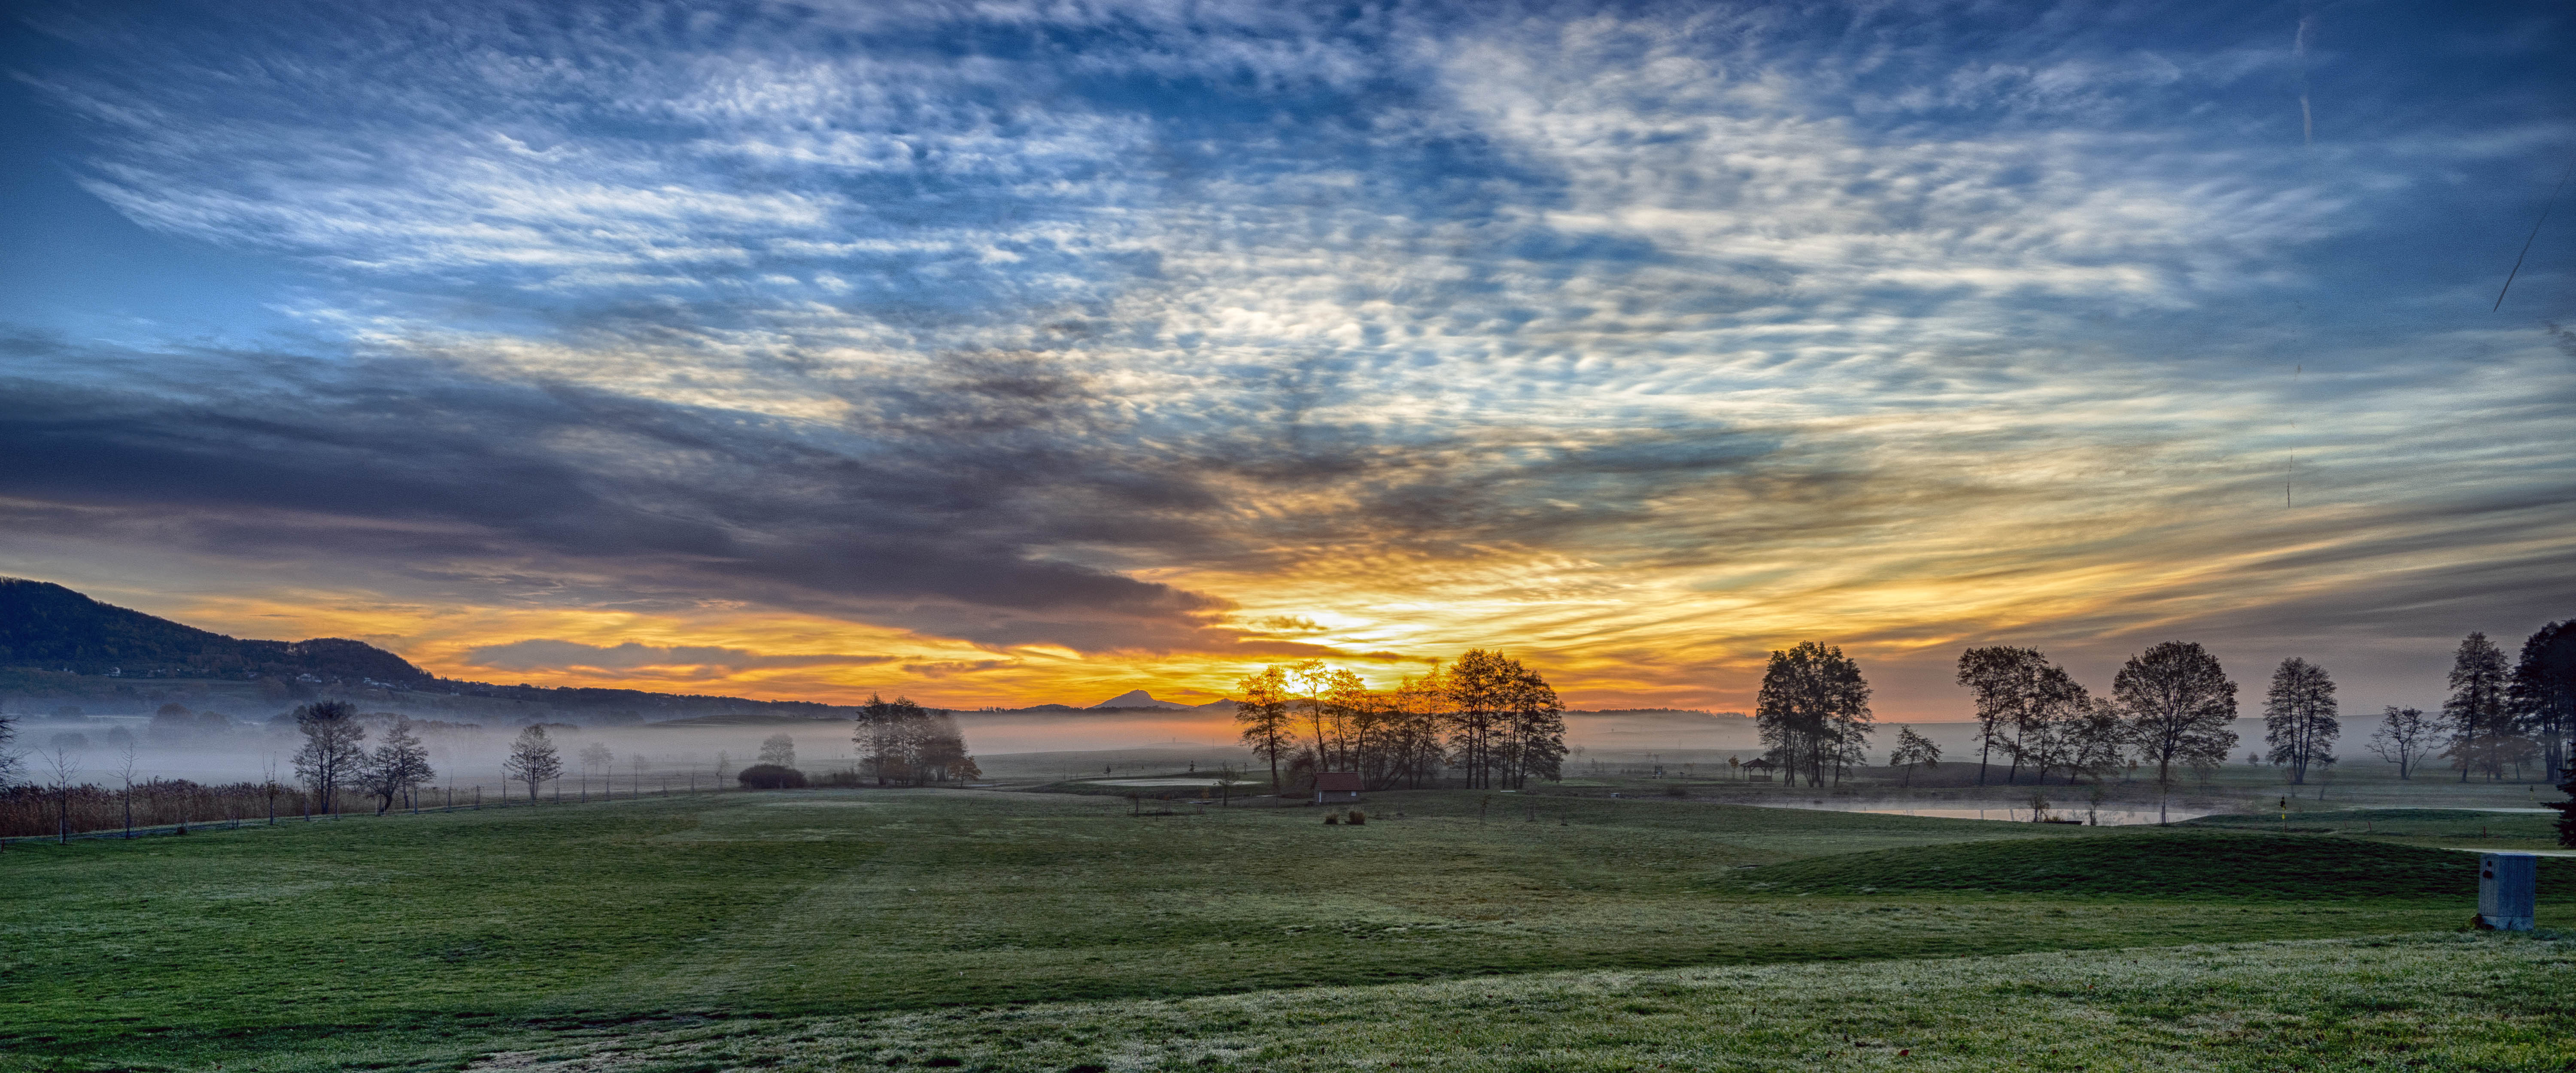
1488 717
2173 707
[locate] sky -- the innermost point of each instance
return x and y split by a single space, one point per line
1001 353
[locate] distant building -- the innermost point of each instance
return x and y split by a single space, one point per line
1331 786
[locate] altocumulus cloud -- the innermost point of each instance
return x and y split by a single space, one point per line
1643 336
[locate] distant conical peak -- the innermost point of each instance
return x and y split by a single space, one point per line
1137 698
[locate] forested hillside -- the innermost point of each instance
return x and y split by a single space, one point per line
47 626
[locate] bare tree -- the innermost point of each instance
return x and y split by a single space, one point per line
2299 717
62 764
778 749
1533 742
2019 694
398 767
532 760
1912 750
125 776
2096 741
593 755
2405 735
1263 715
2178 702
332 753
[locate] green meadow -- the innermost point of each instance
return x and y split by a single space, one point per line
834 928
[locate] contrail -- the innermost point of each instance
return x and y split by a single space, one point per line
2535 233
2299 48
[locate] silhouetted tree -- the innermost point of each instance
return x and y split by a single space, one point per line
2475 716
778 749
398 766
2543 693
333 749
1483 690
1412 733
2299 717
2018 695
2094 740
1533 730
1812 709
2404 736
1912 750
2178 702
1263 714
901 741
533 760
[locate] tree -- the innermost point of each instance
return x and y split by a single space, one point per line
533 760
780 749
398 766
595 754
1533 738
2178 703
2404 736
1479 687
62 764
2299 717
334 749
2083 734
2543 693
1338 711
1912 750
1812 709
1263 715
2018 694
2476 715
901 741
882 732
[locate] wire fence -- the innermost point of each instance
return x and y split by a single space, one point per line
175 806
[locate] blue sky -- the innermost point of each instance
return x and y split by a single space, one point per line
995 350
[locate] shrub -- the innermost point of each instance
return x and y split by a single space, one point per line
1358 816
1332 817
771 777
1677 790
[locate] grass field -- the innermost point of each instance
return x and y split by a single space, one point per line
429 941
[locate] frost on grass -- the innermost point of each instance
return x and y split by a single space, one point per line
2488 1002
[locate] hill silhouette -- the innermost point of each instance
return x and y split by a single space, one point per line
49 627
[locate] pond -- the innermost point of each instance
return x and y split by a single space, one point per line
2106 817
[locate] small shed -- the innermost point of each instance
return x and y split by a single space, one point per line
1759 769
1331 786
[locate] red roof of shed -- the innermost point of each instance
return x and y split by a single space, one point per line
1337 782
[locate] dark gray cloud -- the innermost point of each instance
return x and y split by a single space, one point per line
948 501
547 654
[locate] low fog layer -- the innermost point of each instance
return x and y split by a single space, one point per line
212 746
